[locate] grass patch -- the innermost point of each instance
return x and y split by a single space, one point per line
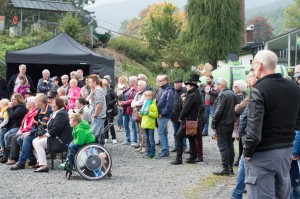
204 186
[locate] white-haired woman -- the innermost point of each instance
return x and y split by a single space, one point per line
45 83
239 88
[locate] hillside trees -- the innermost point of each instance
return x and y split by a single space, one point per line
214 29
262 29
292 15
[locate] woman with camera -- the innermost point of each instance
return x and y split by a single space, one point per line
55 137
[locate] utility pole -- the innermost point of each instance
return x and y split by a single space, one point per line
91 34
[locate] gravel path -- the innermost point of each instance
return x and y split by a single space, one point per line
133 177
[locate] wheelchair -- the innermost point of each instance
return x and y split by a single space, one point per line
92 161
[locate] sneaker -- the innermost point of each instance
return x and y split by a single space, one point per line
143 150
138 149
126 143
114 141
160 156
105 140
134 144
148 156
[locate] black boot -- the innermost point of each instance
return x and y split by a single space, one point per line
223 172
178 159
191 161
230 170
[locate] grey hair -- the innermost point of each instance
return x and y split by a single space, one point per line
142 83
267 58
65 99
223 81
42 97
133 78
22 66
46 71
30 100
241 84
142 77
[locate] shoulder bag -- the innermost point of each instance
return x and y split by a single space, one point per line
191 127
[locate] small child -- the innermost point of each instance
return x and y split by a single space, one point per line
149 114
4 118
81 134
73 94
24 86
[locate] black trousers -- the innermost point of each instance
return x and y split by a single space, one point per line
225 145
179 138
110 119
14 148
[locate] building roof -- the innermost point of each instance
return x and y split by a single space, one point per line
53 6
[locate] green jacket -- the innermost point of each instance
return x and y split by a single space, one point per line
82 134
149 120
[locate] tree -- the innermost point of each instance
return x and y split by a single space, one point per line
292 15
262 29
161 25
71 26
214 29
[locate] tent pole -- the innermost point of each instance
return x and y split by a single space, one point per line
21 28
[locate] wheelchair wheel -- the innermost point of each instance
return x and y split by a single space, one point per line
93 162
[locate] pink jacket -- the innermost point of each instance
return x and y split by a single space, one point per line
28 120
23 88
74 93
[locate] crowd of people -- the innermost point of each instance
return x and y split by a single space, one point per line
65 118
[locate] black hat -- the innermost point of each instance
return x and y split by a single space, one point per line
55 78
178 80
51 94
193 80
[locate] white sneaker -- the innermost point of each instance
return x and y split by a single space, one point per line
105 140
114 141
134 144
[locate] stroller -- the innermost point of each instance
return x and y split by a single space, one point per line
92 161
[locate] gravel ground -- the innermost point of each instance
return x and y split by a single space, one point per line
133 177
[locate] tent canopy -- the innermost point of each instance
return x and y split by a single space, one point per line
60 56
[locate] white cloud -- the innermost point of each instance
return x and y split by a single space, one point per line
103 2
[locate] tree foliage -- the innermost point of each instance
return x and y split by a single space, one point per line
71 26
214 29
262 29
292 15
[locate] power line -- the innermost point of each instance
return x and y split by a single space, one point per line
122 34
108 23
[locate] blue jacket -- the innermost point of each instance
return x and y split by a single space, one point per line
243 122
296 147
165 100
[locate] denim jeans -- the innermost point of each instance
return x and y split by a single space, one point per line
163 135
150 142
72 150
120 118
240 181
127 119
295 194
2 132
98 126
176 126
208 111
26 151
10 133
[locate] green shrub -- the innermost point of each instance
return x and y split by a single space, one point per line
132 48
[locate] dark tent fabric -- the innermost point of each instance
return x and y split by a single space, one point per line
60 56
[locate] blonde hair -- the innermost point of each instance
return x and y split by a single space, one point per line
65 77
148 94
74 81
4 101
104 82
123 78
76 117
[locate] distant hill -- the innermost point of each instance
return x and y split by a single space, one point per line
257 3
111 15
273 11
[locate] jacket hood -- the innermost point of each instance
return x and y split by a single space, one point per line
83 125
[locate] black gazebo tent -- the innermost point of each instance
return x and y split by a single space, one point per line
60 55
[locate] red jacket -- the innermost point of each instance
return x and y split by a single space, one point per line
127 103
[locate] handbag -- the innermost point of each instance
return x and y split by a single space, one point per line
40 131
191 127
136 116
